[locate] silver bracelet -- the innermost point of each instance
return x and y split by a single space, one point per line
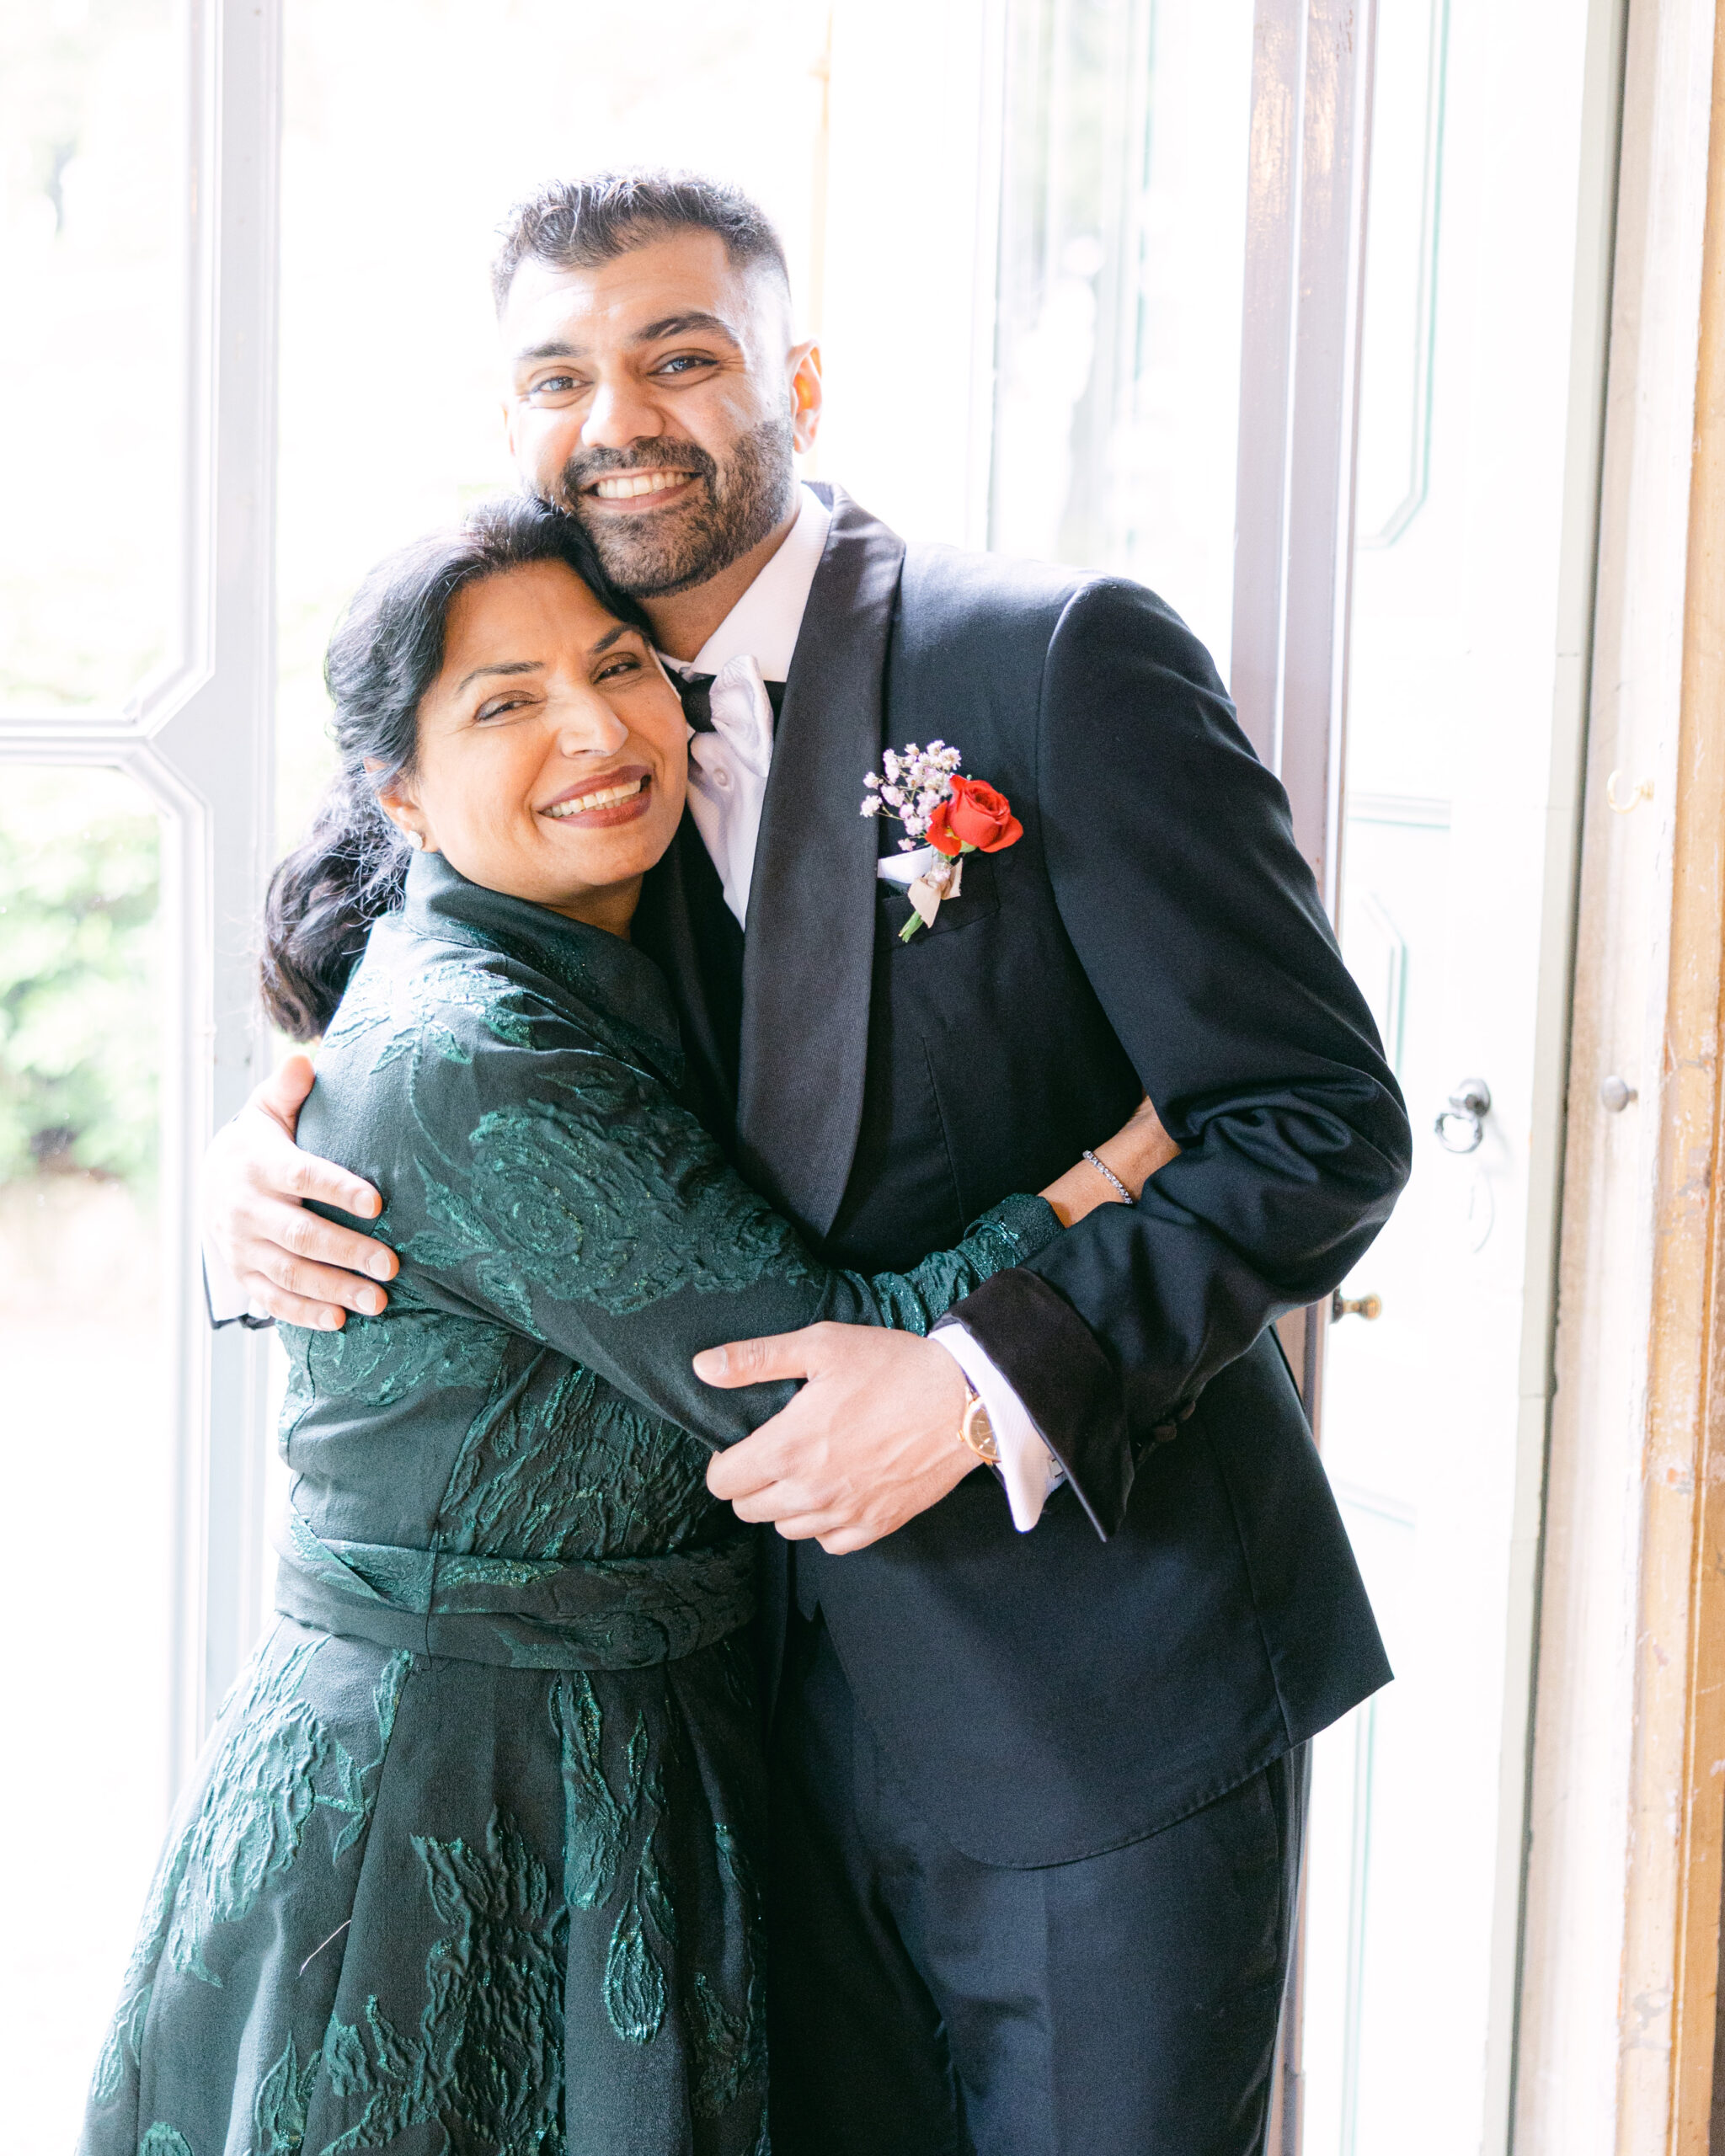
1109 1175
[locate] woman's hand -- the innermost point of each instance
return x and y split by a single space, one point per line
1134 1154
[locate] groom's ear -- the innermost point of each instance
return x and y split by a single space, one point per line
806 393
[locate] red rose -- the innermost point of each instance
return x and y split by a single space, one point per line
976 815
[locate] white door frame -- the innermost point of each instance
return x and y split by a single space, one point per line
1602 1995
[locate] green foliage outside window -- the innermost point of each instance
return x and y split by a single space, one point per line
79 1013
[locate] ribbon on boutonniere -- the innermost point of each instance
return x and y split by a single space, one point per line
953 815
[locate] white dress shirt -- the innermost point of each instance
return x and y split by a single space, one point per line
728 769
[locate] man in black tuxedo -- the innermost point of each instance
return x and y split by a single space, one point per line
1037 1793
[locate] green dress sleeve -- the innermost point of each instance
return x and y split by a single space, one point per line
560 1189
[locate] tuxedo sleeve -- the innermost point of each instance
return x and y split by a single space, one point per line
1171 853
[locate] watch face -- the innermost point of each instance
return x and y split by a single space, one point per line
978 1432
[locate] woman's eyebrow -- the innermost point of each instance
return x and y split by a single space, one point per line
608 639
514 666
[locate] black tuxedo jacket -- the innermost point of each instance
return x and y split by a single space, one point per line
1187 1609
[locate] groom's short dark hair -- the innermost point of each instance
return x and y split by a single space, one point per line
576 224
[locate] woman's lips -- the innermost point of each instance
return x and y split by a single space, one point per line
617 799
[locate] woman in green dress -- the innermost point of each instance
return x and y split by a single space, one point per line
471 1861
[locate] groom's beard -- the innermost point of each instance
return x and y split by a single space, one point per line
734 508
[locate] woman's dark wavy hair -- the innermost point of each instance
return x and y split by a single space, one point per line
387 651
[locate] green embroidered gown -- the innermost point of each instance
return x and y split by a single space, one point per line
472 1862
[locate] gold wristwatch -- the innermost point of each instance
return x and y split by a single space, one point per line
975 1429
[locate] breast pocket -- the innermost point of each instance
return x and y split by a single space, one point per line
978 899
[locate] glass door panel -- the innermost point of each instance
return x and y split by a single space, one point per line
91 374
85 1594
1117 349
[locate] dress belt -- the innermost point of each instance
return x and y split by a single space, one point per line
620 1613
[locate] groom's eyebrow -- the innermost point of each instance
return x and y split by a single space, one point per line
693 322
680 325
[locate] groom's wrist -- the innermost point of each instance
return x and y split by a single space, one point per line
1026 1466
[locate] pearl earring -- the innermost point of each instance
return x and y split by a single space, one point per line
416 840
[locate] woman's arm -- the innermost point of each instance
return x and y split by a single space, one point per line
1131 1157
564 1193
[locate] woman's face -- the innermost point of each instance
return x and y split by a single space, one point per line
553 753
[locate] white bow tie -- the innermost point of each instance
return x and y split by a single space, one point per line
742 719
727 772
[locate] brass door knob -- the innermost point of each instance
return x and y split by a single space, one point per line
1365 1306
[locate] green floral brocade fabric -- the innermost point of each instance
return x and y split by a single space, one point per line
471 1862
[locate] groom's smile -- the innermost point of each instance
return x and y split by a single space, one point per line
634 488
648 479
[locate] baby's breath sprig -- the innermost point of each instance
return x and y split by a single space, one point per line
910 786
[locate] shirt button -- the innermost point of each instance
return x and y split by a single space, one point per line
721 777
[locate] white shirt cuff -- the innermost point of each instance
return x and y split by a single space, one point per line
1028 1468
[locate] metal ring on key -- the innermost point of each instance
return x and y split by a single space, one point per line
1469 1104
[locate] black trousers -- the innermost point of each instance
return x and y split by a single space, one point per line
925 2004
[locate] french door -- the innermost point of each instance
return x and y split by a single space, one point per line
1291 308
1297 312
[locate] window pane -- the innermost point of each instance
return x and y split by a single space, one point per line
1123 223
409 131
90 380
84 1591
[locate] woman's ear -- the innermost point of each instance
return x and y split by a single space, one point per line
404 812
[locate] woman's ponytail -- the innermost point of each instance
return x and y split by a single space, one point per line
348 869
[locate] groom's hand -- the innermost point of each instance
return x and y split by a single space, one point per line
870 1441
292 1263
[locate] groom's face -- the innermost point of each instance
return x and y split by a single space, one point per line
660 398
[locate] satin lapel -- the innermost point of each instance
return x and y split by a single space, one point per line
683 925
810 948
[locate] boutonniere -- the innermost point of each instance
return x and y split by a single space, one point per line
923 790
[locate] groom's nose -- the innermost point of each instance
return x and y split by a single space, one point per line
621 412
